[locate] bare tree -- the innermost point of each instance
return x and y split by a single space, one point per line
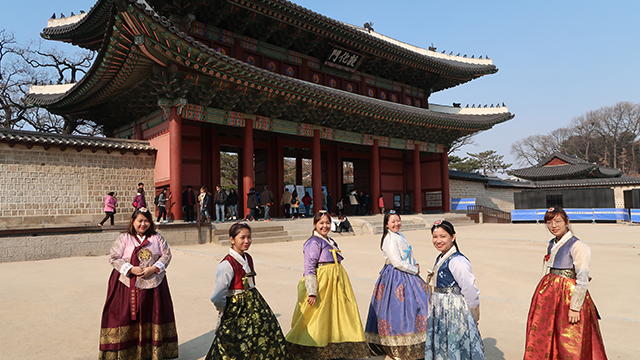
24 66
457 144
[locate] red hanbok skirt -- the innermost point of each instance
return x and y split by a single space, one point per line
152 335
549 333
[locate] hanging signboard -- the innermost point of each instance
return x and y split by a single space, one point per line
344 59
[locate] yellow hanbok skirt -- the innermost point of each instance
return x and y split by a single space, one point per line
332 327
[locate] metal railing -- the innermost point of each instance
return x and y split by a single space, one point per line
489 215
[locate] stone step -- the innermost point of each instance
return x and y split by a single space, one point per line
255 231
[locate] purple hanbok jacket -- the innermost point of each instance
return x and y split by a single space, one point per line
317 250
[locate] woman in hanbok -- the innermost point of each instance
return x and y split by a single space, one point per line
138 320
397 321
326 323
563 320
247 328
454 311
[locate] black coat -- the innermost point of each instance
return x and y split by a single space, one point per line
252 200
185 198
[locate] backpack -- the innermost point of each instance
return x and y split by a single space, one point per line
155 201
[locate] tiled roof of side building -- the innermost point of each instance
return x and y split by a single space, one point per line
620 181
553 172
77 141
488 180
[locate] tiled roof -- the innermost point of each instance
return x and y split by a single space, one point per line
426 116
624 180
77 141
575 168
488 180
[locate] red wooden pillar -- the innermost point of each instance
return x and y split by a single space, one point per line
279 175
215 161
316 180
299 172
375 176
417 181
444 176
339 175
139 135
175 163
247 163
331 175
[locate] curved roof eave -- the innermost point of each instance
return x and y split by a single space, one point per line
95 23
425 116
89 22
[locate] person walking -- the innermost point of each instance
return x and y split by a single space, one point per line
353 201
161 202
188 201
267 199
324 201
232 200
295 205
220 200
307 200
252 204
563 320
285 201
110 202
381 204
204 199
139 200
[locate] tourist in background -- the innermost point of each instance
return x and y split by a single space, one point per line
267 199
295 205
563 320
307 201
285 201
220 200
324 201
232 200
204 199
381 204
188 202
247 327
397 321
110 203
353 201
139 201
326 323
161 202
252 204
454 311
138 320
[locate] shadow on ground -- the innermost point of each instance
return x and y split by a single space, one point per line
197 348
491 351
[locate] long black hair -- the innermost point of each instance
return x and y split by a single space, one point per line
448 227
385 221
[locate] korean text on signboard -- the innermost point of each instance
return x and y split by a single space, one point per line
343 59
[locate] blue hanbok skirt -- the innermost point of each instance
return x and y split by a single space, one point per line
452 331
397 321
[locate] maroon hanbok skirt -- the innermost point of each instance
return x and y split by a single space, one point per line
152 335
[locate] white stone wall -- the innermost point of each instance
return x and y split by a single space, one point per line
618 193
495 198
42 188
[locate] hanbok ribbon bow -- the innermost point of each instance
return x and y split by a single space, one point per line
407 255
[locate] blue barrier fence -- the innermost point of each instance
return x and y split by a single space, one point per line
635 215
577 214
462 204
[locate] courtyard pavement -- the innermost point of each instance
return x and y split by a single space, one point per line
51 309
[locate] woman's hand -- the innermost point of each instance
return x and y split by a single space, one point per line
148 271
311 300
418 266
136 270
574 316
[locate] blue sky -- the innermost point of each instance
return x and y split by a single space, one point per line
556 59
